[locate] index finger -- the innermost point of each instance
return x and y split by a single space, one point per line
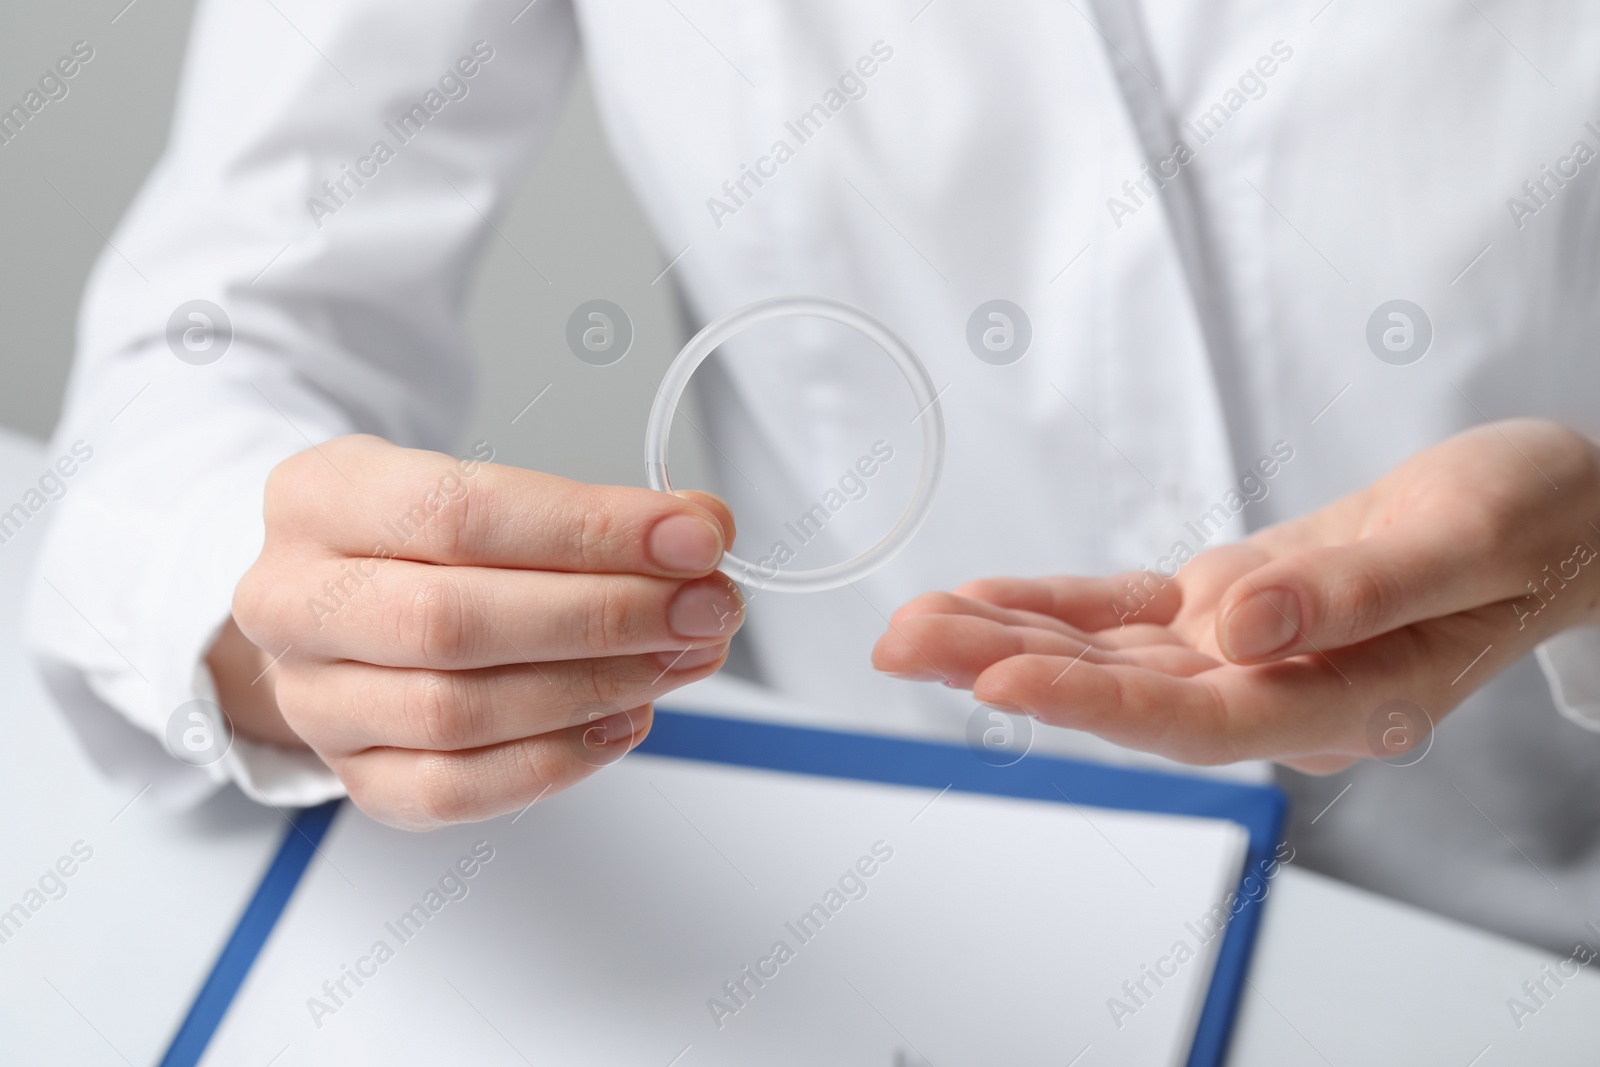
1088 603
431 508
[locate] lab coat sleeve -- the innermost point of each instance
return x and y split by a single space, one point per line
1571 663
340 312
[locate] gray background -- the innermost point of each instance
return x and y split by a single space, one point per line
574 217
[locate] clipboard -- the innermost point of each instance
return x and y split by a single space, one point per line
1258 809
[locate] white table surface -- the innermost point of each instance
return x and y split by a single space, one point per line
104 974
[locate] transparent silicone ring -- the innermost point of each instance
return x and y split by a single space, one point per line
929 415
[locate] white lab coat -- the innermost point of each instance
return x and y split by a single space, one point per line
1342 157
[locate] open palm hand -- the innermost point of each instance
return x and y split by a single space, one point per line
1293 644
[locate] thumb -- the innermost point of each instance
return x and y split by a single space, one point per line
1319 599
719 510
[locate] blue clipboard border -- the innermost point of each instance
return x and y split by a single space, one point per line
1259 809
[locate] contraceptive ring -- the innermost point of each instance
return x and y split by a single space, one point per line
929 414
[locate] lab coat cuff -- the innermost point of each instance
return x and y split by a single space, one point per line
1571 664
266 773
161 592
205 567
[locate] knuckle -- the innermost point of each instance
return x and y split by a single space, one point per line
1217 745
294 697
461 520
432 620
599 686
452 789
447 792
367 704
439 710
287 486
249 598
596 530
282 479
455 515
538 764
1364 600
362 792
263 610
609 621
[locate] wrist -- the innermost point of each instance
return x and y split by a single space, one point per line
245 679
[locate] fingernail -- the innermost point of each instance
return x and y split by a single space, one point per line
1261 624
618 727
689 659
685 543
705 609
915 676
